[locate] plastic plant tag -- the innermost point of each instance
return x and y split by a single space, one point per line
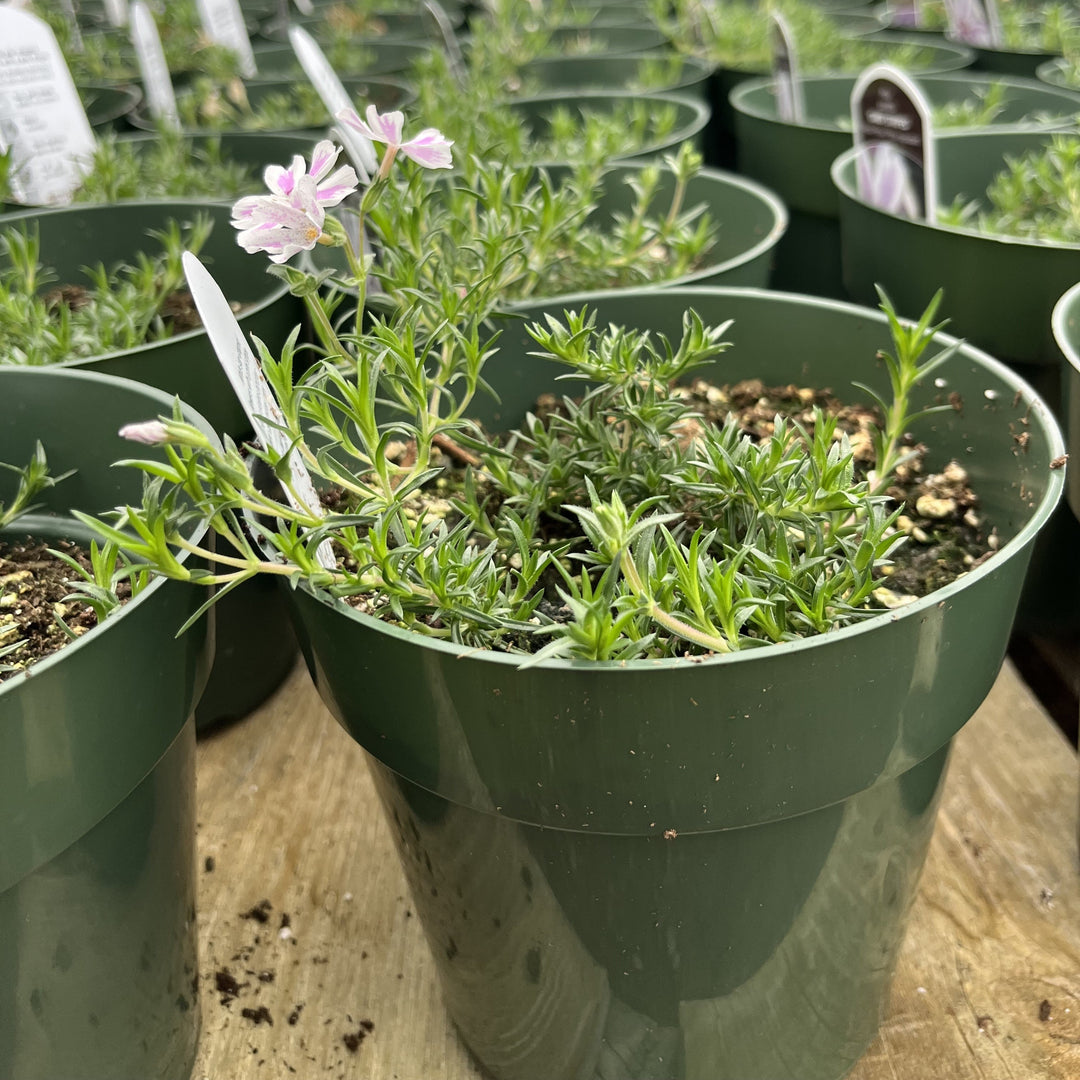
905 13
896 165
116 11
971 22
453 48
790 105
252 389
305 7
224 23
152 65
42 120
328 87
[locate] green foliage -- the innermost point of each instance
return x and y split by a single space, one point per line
168 166
34 478
736 34
212 105
117 308
1036 197
619 524
503 235
111 578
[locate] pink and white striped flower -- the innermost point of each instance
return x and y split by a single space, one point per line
147 432
331 185
290 219
430 148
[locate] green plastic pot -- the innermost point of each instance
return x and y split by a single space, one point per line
1022 62
942 57
384 92
795 159
598 39
1066 326
689 870
108 105
1056 73
692 116
751 222
689 76
184 365
256 649
367 57
999 291
412 25
98 972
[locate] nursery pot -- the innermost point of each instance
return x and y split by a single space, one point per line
255 648
109 105
938 57
999 291
98 973
1004 61
691 117
795 158
384 92
685 75
689 870
1056 73
365 57
751 222
1066 324
412 26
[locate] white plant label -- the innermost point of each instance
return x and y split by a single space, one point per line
224 23
334 97
305 7
453 48
42 119
896 165
974 22
155 71
905 13
248 381
116 11
790 104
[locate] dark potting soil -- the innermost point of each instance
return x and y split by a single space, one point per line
33 584
177 311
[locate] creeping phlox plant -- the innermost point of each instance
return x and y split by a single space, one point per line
1036 197
118 307
618 524
98 585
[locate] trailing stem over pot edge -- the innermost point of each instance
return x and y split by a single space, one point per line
659 535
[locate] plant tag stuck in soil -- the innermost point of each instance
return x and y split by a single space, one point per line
152 65
42 120
895 165
334 96
974 22
437 13
224 23
116 11
789 92
251 387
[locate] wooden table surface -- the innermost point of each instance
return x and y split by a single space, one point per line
337 980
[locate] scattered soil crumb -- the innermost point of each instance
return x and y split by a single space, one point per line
260 913
286 919
266 976
353 1039
1044 1010
294 1016
226 985
261 1015
210 864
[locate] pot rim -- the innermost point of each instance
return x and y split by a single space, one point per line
1025 535
848 191
1058 325
739 93
273 294
157 582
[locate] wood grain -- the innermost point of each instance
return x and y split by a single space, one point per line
288 814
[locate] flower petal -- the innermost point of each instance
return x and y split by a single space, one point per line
387 126
431 149
323 158
338 186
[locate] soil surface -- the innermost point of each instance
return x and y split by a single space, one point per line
33 584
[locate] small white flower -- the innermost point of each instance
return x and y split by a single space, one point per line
430 148
147 432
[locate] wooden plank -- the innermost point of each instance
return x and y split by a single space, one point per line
288 814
